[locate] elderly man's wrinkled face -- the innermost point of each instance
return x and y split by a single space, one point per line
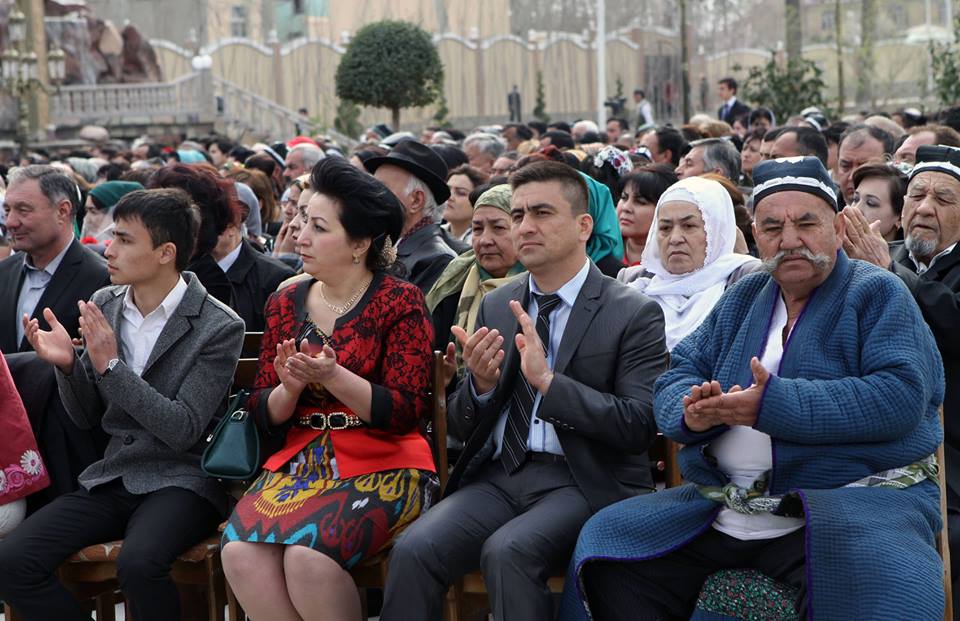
691 165
907 153
798 236
931 214
855 153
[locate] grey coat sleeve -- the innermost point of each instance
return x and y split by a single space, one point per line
79 393
180 422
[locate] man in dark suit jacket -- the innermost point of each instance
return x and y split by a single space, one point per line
51 268
417 176
252 274
928 262
158 361
731 108
550 439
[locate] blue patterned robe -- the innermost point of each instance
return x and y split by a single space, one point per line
858 392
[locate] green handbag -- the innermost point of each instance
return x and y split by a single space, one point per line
233 449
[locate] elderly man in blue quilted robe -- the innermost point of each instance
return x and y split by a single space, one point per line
807 406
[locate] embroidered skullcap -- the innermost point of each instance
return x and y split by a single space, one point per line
797 174
937 158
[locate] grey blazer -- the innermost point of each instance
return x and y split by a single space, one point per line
156 422
601 399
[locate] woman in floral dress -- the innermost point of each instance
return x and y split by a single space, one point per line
342 388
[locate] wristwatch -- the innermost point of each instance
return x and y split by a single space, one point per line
111 365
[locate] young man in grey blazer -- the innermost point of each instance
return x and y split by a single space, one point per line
556 413
158 360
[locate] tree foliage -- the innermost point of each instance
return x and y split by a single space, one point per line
347 121
785 88
945 65
540 105
390 64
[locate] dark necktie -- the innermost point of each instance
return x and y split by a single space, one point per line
513 452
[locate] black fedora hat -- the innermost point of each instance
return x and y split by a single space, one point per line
419 160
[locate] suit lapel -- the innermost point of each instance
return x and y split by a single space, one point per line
62 282
238 271
8 301
583 312
179 324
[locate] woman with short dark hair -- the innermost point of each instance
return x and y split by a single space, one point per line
638 196
342 388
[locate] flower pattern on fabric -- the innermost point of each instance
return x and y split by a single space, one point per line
749 595
31 463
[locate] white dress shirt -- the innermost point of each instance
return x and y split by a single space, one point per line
139 334
35 282
227 262
744 453
923 267
542 437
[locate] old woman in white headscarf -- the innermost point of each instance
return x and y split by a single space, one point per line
689 259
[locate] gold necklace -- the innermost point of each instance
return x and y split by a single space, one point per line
348 304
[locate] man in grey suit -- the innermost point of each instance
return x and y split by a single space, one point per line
556 413
158 361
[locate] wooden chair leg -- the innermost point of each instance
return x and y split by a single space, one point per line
451 604
234 609
10 614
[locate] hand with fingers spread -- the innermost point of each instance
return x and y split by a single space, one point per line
533 361
313 368
286 350
54 345
449 363
98 337
482 354
735 407
862 239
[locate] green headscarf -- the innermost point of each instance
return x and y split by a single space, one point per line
452 279
606 238
109 193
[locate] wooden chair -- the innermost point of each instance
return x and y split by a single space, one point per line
251 344
245 373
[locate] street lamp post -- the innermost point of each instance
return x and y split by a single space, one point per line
19 75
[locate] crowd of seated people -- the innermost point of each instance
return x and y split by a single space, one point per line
778 301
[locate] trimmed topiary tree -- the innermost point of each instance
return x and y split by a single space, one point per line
390 64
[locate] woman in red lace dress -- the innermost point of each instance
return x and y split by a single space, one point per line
342 387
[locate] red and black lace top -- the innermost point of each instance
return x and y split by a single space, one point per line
386 339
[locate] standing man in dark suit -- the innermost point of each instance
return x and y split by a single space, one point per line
928 262
158 360
51 268
731 108
556 412
418 177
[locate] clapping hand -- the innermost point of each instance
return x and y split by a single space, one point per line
533 362
312 369
708 406
286 350
482 354
449 363
862 239
53 345
98 337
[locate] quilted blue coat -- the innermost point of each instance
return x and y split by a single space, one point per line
857 393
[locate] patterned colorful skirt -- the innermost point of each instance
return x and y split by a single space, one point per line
308 504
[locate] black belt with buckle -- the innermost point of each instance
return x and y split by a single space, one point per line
321 421
546 458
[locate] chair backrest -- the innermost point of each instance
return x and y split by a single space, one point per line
251 343
245 373
438 425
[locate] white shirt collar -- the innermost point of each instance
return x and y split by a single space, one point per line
923 267
52 266
167 306
227 262
571 289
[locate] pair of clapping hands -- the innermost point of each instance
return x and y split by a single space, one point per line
56 346
298 368
483 353
708 406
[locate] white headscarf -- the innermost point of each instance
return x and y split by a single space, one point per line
687 299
